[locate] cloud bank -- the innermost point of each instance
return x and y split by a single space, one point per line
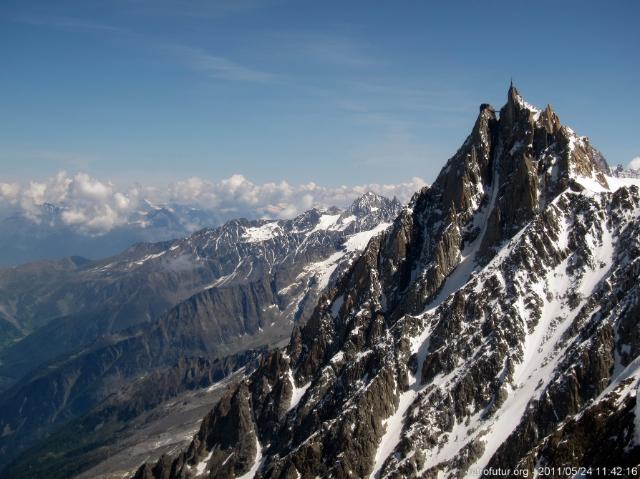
634 164
86 203
96 207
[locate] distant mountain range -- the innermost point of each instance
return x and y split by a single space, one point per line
82 330
44 235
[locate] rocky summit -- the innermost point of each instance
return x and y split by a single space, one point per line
494 325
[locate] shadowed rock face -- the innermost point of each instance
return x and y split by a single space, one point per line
168 399
495 319
218 293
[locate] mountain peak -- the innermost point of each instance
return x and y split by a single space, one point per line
508 169
513 95
370 202
516 109
549 120
368 197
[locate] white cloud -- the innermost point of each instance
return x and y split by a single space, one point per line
634 164
74 217
96 207
237 196
90 205
9 192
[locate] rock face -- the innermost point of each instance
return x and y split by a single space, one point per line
494 324
212 295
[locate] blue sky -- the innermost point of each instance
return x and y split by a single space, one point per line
330 92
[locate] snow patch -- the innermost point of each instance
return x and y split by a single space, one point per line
335 307
590 184
297 393
257 234
616 183
343 223
257 463
149 257
201 467
324 269
359 241
325 222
